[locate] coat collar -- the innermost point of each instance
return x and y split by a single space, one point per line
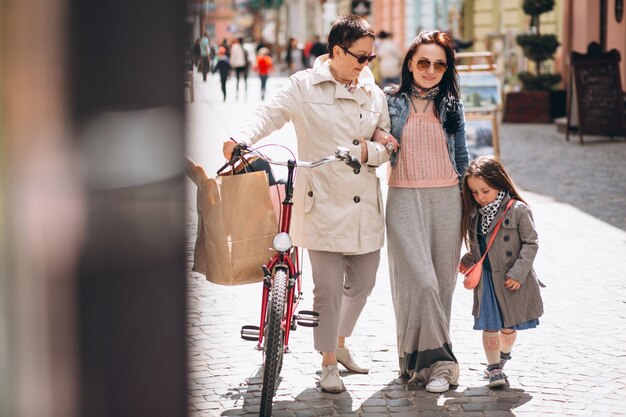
366 82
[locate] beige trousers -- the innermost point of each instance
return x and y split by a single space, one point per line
342 285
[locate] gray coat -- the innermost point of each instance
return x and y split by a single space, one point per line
511 254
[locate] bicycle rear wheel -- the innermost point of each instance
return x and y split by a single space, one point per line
274 341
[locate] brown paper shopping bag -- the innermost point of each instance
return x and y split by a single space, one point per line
236 225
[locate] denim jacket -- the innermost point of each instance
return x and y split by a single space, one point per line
399 109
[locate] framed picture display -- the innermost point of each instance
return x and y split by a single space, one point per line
481 130
480 91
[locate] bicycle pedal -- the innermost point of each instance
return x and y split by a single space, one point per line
308 318
250 333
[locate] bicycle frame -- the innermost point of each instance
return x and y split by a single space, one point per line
284 260
282 282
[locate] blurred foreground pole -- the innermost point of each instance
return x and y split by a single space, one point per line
92 268
127 115
41 215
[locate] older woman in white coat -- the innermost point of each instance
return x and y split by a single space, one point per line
338 215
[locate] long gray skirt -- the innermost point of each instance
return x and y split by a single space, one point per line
424 245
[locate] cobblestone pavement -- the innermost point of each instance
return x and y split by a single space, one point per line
573 364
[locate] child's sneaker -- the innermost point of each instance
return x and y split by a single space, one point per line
496 376
503 358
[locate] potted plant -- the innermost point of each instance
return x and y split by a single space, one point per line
536 103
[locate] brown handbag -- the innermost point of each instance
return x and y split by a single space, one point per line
474 274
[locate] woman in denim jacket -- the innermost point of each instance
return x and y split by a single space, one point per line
429 157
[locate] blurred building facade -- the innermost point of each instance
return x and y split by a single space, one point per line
491 24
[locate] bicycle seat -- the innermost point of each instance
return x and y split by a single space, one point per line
281 181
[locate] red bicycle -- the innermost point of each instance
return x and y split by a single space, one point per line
282 286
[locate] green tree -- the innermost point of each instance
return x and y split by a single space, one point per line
537 47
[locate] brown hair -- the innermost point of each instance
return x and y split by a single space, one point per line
347 30
493 173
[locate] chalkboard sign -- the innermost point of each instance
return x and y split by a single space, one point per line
596 84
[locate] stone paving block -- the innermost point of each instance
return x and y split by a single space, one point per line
322 411
282 413
374 409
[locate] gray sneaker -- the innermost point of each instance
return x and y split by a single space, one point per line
496 376
504 357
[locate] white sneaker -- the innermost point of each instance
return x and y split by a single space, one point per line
331 382
345 357
438 385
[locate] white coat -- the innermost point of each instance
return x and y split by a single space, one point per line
335 210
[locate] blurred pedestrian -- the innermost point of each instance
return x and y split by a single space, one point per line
223 66
263 66
294 57
250 51
424 207
318 48
263 44
239 62
196 53
390 59
204 55
507 298
337 214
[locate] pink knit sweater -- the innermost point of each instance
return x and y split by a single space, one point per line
423 161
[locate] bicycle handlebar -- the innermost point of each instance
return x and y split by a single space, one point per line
341 154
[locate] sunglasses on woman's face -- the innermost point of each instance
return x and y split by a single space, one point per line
424 64
361 59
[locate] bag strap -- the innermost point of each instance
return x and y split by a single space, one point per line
495 229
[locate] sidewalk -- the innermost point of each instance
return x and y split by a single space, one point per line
573 364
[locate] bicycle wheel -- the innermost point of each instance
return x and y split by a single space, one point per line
274 341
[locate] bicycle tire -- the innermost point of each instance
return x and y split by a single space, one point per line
274 341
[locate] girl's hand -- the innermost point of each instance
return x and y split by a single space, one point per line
511 284
463 268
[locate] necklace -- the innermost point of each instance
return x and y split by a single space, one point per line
351 86
428 102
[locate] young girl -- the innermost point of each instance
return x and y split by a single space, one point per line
507 297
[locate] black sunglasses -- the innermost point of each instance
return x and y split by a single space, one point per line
361 59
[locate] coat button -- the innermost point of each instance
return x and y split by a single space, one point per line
360 115
355 142
357 199
506 238
509 253
310 193
506 221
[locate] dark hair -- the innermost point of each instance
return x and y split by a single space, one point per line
449 84
493 173
347 30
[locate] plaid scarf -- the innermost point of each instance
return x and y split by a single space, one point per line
424 93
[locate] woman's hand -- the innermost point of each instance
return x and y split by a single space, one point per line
227 149
363 150
511 284
384 139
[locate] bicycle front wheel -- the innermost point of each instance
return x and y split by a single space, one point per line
274 341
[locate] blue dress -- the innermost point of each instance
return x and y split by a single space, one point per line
490 316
